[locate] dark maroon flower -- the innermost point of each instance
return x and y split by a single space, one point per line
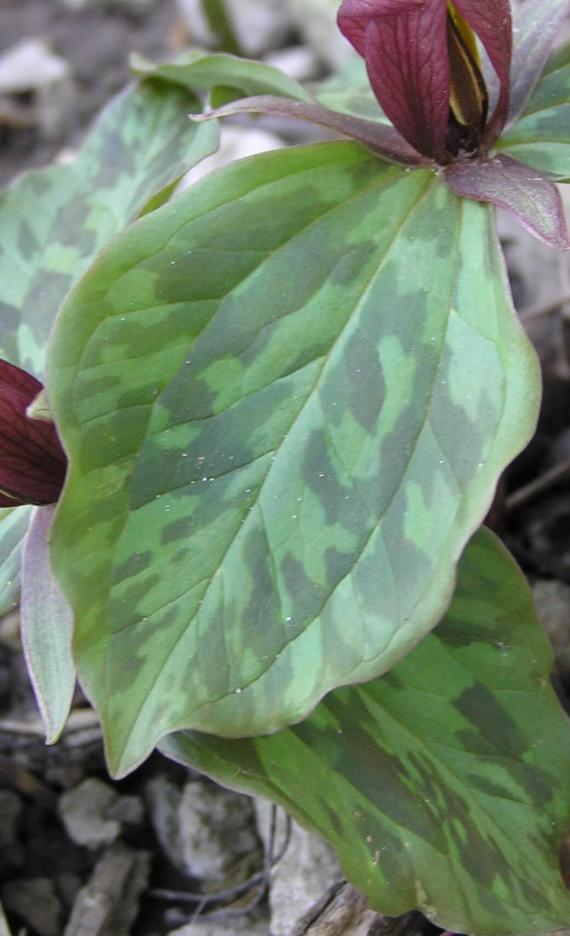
424 68
32 461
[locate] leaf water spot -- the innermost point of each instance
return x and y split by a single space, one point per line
502 646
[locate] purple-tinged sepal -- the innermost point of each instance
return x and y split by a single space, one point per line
527 194
380 138
32 461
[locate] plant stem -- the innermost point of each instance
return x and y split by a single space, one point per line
220 22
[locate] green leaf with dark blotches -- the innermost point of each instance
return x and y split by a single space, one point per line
541 137
53 222
13 525
443 785
225 77
286 398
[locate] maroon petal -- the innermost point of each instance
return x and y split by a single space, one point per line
404 44
492 21
529 195
382 139
32 461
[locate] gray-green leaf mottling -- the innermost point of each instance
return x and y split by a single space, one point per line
443 785
286 398
54 222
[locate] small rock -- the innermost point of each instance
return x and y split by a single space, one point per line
307 871
237 927
84 812
216 827
128 810
30 65
109 903
204 829
552 600
34 901
32 68
163 800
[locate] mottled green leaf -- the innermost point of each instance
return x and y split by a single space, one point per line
286 398
13 526
443 785
541 138
47 628
53 222
225 77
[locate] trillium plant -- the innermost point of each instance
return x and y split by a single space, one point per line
245 509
